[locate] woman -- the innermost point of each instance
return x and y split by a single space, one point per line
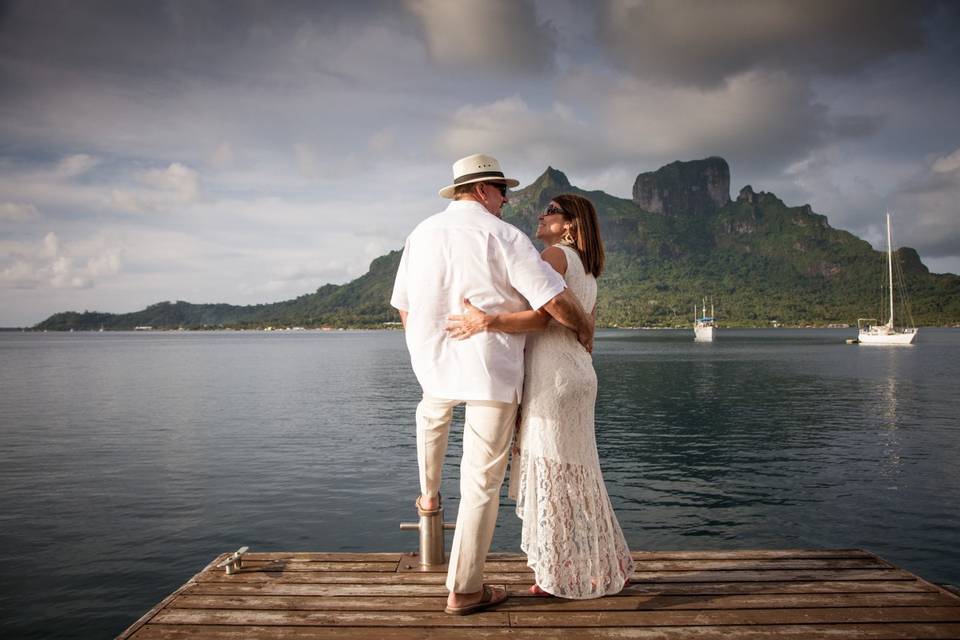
570 534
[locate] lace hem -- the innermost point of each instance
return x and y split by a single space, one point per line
570 534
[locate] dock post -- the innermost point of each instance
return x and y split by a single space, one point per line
432 543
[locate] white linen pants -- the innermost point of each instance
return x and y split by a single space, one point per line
487 431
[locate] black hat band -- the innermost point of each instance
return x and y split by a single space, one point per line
481 174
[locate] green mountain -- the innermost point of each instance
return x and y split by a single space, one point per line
679 239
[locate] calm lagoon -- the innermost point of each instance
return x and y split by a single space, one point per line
129 460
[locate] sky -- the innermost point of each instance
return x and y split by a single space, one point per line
247 151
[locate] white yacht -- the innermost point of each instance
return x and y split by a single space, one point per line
872 332
704 325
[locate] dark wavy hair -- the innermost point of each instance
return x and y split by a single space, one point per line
586 231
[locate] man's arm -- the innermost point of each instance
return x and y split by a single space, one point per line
566 309
403 317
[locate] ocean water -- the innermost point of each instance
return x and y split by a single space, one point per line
129 460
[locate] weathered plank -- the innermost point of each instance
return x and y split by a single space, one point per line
849 615
542 604
680 588
401 618
703 595
352 577
319 556
771 575
316 565
724 564
747 554
561 618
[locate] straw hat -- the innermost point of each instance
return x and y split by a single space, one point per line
476 168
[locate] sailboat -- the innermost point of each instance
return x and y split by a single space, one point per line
704 325
870 332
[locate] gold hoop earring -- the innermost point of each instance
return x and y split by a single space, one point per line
567 237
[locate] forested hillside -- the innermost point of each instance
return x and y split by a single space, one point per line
679 239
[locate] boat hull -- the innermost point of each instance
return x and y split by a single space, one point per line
703 334
883 335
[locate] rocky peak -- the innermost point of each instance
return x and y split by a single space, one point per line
551 179
910 260
697 187
760 198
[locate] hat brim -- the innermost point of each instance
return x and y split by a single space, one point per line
447 192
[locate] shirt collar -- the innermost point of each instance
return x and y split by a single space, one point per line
468 205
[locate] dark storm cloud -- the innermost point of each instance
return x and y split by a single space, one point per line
174 79
702 42
137 38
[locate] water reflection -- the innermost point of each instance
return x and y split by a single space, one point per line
888 419
747 442
142 444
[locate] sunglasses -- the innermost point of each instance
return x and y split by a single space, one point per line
552 209
499 186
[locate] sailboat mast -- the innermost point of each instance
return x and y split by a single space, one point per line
890 269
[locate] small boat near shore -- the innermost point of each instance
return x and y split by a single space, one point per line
703 326
872 332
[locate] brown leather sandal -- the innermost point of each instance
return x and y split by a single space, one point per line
491 597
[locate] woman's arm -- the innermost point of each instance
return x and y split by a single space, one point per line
473 321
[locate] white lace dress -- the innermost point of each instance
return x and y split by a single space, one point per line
570 534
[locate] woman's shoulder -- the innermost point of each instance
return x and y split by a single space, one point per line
556 258
570 253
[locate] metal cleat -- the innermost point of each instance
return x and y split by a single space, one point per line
234 561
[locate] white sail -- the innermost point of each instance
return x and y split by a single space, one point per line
870 331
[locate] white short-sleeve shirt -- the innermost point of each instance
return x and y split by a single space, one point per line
466 252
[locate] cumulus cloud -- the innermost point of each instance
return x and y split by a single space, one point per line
18 212
50 264
177 185
553 136
495 35
31 192
177 179
75 165
947 164
702 43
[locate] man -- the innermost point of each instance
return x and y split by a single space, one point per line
467 251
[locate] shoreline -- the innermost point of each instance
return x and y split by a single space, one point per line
397 327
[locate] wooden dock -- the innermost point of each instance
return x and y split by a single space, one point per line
696 594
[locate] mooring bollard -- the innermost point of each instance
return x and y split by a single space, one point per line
432 544
234 561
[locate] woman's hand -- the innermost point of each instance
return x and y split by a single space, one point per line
470 322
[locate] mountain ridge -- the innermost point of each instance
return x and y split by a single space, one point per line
761 260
